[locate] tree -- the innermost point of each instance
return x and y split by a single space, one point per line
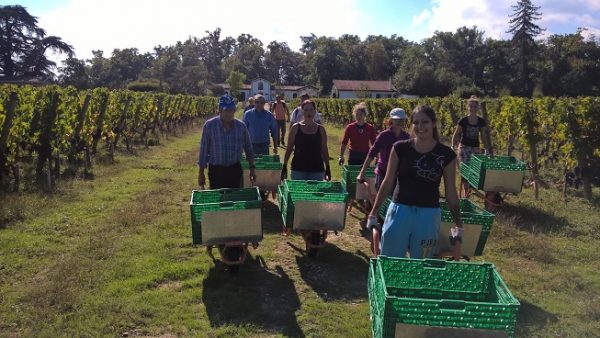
24 45
524 31
74 73
235 81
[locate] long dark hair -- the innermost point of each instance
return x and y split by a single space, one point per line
427 110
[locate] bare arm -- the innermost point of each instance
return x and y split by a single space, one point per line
387 184
484 132
451 195
456 136
290 144
325 150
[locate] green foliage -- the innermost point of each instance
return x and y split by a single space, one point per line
235 81
42 127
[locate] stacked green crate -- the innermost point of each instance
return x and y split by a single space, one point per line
438 293
470 213
220 199
298 190
384 207
475 170
349 174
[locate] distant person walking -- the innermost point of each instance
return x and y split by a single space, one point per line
383 145
260 123
360 135
250 104
466 136
297 114
282 115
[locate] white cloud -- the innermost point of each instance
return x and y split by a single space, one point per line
492 16
109 24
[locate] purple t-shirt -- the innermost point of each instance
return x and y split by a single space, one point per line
383 146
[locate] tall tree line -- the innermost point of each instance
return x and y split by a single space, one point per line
462 63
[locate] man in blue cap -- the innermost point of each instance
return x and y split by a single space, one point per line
223 139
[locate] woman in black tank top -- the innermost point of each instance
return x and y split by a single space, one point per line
308 141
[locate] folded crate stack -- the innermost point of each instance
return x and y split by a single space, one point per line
268 172
358 191
304 204
419 298
494 173
223 215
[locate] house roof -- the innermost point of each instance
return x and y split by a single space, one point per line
360 85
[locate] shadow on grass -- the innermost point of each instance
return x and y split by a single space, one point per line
534 220
271 218
255 297
532 319
335 274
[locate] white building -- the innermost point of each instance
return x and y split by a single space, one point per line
269 91
352 89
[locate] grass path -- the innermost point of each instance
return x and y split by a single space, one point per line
113 257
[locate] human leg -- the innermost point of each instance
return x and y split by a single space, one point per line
425 231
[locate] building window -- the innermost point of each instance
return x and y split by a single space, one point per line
389 95
260 86
377 96
295 95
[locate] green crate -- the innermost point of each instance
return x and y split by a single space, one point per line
438 293
263 158
220 199
350 172
470 213
509 163
505 172
297 190
334 187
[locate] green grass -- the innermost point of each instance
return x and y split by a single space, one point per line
114 256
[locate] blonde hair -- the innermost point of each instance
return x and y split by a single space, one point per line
359 106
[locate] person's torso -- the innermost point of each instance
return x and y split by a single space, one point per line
226 143
280 110
307 151
419 174
360 136
259 124
387 138
470 132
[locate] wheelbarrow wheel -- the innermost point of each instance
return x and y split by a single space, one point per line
233 253
314 239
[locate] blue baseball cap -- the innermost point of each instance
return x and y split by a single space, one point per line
226 102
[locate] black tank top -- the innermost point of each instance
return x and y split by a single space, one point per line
307 152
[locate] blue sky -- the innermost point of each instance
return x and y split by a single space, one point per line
109 24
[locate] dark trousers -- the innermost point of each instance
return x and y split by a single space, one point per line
221 176
356 158
281 125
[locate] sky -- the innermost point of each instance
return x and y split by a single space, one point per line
108 24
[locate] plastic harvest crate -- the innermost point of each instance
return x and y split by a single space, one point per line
477 222
494 173
222 215
304 204
438 293
349 174
268 172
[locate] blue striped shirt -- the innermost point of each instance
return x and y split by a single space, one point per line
259 123
223 147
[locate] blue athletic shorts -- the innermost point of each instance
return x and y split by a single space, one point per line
308 175
413 229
